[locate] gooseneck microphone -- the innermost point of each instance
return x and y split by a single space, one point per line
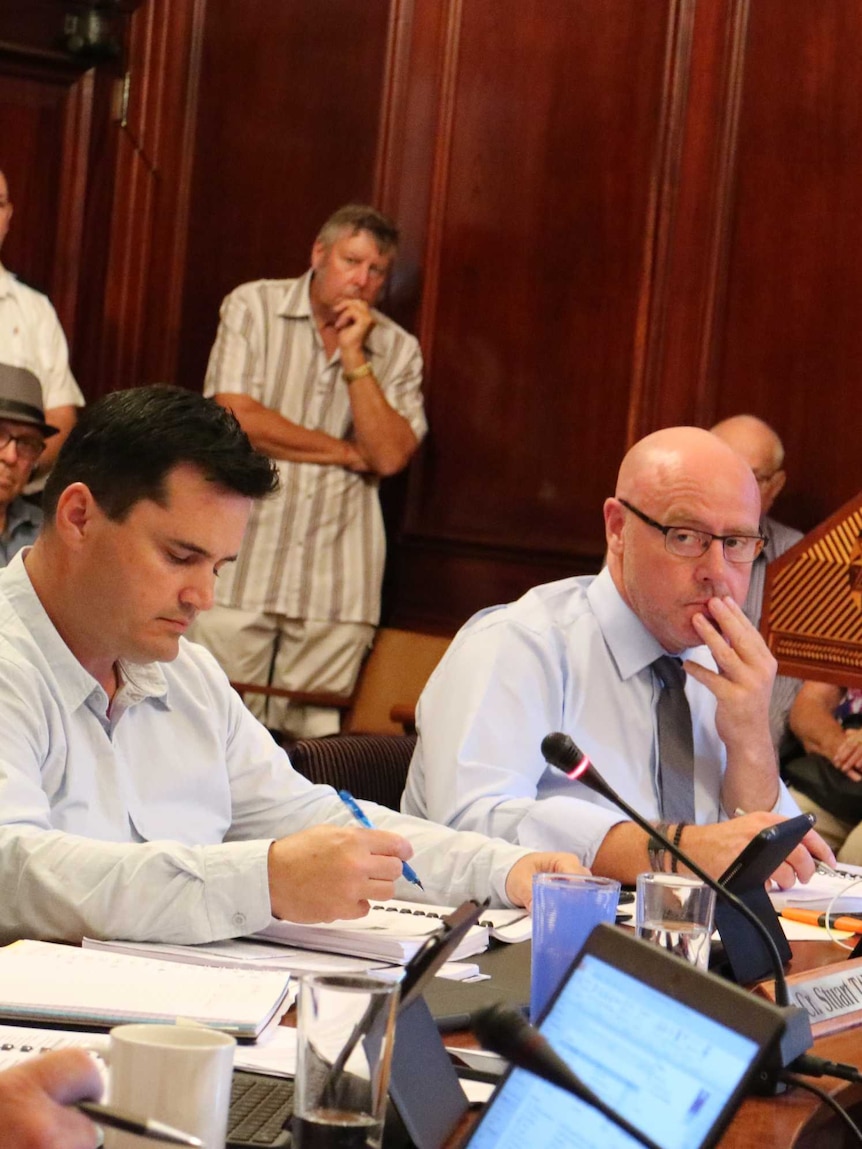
559 750
505 1031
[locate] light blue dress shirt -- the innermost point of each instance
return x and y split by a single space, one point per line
569 656
154 821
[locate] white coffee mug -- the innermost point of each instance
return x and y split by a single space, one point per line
179 1074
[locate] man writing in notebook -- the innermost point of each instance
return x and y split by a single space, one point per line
138 797
598 658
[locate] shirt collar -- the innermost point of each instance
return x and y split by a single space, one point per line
76 685
296 303
21 511
630 644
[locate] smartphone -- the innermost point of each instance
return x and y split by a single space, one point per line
743 956
755 864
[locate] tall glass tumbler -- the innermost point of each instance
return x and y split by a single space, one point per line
566 909
346 1030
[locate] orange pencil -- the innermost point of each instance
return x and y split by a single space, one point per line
833 921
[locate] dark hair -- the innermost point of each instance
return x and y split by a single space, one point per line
126 444
356 217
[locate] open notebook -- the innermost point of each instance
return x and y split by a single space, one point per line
382 934
57 984
844 885
667 1047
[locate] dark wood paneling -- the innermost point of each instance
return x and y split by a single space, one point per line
548 154
32 115
615 215
45 125
289 114
791 340
548 143
145 205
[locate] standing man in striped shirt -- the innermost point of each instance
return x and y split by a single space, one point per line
331 389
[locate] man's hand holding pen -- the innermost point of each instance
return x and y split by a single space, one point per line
329 872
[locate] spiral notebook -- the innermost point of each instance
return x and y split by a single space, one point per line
844 884
385 933
62 985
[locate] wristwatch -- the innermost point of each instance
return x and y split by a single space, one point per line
358 372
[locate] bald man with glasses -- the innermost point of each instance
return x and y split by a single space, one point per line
23 432
599 658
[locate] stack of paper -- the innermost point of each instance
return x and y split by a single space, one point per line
44 982
241 953
845 886
274 1055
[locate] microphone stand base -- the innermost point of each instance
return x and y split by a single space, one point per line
796 1040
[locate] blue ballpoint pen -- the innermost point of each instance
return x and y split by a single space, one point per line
352 805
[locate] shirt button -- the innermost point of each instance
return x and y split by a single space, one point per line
238 920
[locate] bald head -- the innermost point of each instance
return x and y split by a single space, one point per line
682 477
761 448
687 458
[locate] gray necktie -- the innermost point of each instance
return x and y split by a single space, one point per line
675 743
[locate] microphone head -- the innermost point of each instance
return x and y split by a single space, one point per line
559 750
503 1030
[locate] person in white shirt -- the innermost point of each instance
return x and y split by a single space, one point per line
139 798
579 656
31 337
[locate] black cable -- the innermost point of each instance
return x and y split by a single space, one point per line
819 1067
825 1097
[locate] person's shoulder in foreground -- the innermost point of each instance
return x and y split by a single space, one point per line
139 798
682 531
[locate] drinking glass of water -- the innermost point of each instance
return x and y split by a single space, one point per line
675 913
346 1033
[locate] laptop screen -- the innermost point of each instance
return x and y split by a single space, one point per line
672 1070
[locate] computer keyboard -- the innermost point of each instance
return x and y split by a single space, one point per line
260 1111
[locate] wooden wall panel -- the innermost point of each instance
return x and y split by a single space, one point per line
99 193
791 339
288 121
549 142
616 215
543 210
138 220
45 127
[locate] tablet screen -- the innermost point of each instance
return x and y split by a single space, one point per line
666 1068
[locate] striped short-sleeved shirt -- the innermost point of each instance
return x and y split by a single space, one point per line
316 549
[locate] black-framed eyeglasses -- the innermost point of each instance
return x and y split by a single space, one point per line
29 447
688 543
